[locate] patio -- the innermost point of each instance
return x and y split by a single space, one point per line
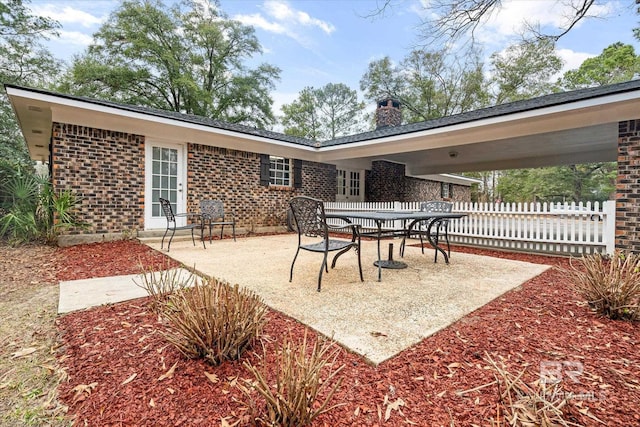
374 319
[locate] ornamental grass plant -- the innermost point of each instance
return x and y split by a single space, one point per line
540 403
304 384
611 285
214 321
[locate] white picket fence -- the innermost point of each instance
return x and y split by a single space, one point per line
562 228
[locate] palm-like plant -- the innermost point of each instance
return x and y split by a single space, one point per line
20 200
33 210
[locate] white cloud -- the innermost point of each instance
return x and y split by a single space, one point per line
258 21
572 60
552 16
67 15
75 38
280 18
283 12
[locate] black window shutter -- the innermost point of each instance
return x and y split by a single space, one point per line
297 173
451 191
442 184
264 169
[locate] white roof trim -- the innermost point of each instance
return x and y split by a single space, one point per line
85 105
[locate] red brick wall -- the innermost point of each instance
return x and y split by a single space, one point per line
234 177
386 182
627 187
106 169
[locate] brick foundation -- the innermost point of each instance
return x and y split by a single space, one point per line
628 187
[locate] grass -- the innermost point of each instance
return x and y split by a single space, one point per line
29 374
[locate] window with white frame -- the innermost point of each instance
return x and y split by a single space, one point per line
354 183
446 190
341 178
280 171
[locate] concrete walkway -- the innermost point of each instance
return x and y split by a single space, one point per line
86 293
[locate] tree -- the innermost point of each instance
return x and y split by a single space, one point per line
451 21
592 181
188 58
325 113
617 63
428 84
23 61
524 70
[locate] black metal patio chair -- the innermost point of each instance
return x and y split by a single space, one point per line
310 221
172 225
213 214
441 227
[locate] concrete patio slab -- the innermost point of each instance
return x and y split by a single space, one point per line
374 319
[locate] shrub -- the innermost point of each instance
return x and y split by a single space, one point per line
160 285
32 210
542 403
293 400
214 321
611 285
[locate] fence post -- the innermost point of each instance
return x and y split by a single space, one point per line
609 226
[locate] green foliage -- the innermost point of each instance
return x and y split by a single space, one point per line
293 398
611 286
325 113
33 211
524 70
428 84
214 321
591 181
24 61
617 63
187 58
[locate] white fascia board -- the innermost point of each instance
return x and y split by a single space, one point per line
88 106
451 178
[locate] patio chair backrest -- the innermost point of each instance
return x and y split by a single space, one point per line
212 209
309 216
167 210
436 206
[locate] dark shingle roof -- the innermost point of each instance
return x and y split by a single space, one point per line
495 111
485 113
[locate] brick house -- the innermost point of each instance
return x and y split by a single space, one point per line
121 158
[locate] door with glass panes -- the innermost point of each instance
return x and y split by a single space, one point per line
165 177
350 185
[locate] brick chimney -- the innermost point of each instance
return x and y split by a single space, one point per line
388 113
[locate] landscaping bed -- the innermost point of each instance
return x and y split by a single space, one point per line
122 371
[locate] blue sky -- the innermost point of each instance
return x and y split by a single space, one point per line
317 42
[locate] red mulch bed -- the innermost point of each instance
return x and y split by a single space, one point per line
116 355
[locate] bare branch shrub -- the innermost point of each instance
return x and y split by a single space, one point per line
214 320
611 285
160 284
293 397
541 403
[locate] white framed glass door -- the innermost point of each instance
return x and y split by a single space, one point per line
349 185
165 176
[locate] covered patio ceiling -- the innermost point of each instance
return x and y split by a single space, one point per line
568 128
